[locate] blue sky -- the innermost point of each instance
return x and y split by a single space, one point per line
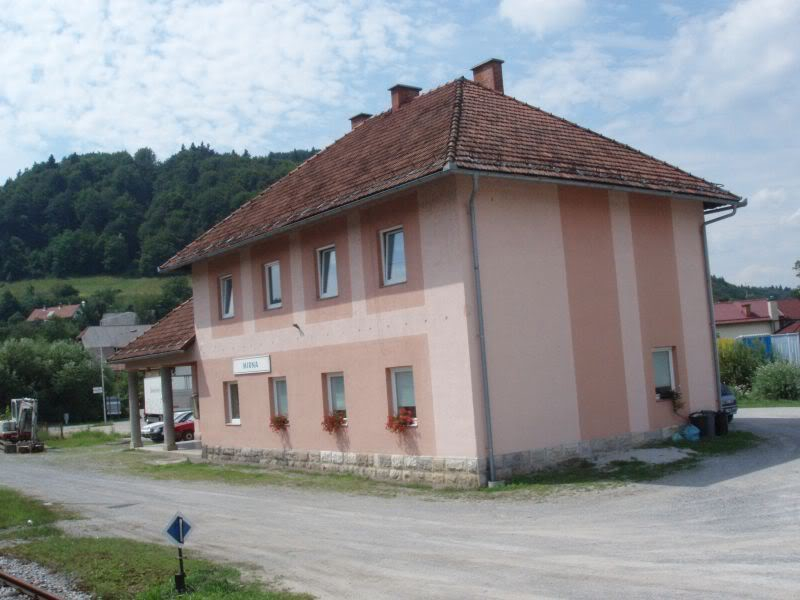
712 87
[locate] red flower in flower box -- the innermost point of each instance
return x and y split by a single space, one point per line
334 422
279 423
400 422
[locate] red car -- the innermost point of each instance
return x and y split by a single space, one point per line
184 428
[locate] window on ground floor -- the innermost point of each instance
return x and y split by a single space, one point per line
663 371
280 397
232 416
335 390
402 382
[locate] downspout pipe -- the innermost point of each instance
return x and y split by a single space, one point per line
487 405
709 292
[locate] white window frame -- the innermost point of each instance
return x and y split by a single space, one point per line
323 295
385 258
275 407
223 314
394 371
328 378
268 285
229 420
669 351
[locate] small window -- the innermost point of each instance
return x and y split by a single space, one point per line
403 391
663 371
232 396
226 296
280 397
393 251
336 403
326 264
272 278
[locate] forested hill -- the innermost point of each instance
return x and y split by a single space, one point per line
118 214
724 290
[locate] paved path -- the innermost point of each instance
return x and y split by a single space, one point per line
730 529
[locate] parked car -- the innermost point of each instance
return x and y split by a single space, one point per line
727 402
184 428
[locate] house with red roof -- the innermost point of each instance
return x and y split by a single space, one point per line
62 311
460 289
758 316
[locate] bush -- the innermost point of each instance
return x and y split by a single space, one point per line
738 362
777 381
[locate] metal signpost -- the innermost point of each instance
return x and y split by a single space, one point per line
177 530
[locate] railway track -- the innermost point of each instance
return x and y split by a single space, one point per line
26 588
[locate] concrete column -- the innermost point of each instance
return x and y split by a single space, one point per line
169 410
133 408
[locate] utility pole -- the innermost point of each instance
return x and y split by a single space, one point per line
103 384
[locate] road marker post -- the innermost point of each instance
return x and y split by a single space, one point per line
177 530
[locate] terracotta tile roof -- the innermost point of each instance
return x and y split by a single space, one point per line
173 333
65 311
791 328
460 124
790 308
734 311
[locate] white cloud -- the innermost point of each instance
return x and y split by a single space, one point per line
719 98
542 17
127 73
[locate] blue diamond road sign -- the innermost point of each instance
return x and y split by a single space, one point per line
177 530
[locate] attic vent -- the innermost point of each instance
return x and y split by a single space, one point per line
403 94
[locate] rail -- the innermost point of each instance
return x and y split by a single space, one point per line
26 588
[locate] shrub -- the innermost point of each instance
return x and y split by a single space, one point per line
777 381
738 362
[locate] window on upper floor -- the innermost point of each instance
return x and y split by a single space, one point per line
393 253
226 308
326 267
272 281
663 372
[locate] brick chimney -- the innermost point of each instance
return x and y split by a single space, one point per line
403 94
489 74
358 119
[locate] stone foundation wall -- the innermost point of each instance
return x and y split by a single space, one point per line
459 472
437 471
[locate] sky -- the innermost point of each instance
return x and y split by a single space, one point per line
712 87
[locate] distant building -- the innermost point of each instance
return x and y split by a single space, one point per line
122 318
62 311
116 330
755 316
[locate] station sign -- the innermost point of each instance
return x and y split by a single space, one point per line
252 364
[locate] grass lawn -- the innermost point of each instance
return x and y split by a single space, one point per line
751 401
130 288
16 511
566 478
582 474
114 568
80 439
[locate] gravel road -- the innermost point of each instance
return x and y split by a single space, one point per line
729 529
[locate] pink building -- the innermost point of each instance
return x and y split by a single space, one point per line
522 289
